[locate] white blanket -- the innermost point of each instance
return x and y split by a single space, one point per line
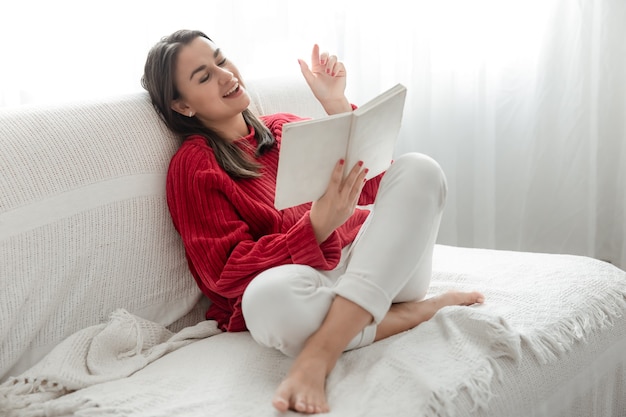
543 302
230 375
550 300
97 354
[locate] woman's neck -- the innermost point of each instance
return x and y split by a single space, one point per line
232 129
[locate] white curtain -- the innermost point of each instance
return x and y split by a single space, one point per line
523 102
524 105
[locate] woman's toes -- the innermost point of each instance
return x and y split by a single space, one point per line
473 298
301 406
281 399
280 404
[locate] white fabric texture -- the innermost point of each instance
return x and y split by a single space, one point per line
390 261
466 342
100 353
85 227
552 301
546 321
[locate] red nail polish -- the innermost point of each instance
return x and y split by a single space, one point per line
341 161
360 163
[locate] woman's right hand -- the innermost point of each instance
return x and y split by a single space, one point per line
327 80
338 202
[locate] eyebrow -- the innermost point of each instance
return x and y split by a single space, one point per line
203 67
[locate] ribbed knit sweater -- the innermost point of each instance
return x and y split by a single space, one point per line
230 229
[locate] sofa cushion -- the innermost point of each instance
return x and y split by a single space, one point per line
84 224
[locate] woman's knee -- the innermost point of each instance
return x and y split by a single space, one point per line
423 173
283 306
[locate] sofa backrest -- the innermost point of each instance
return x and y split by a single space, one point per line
84 226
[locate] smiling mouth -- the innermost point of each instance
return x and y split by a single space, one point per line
232 90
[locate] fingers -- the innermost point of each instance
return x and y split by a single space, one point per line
349 188
355 181
337 175
337 204
352 184
332 66
315 55
324 63
306 72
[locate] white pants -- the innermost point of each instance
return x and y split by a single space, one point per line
390 261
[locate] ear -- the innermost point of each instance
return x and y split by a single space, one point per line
179 106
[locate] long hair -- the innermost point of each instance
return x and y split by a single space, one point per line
158 80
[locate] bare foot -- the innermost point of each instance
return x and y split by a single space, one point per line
426 309
458 298
303 389
407 315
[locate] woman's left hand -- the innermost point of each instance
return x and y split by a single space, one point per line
327 80
339 201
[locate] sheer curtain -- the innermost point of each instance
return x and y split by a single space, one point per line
522 102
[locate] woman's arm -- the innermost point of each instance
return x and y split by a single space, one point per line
219 243
232 257
327 80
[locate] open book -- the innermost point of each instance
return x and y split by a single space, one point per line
311 148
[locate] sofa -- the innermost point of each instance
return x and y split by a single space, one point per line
99 314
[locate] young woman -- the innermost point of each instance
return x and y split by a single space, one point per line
313 280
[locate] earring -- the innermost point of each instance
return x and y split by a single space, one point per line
190 113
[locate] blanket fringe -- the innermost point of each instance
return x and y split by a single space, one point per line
505 343
19 393
106 352
478 387
547 344
52 409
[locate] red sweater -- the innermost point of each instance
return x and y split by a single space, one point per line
231 231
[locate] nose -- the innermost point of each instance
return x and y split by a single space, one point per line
224 75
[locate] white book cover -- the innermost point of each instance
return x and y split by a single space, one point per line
310 149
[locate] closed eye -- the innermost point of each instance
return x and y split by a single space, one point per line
203 67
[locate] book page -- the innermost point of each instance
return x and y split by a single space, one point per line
308 153
374 131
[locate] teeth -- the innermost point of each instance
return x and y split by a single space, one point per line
232 90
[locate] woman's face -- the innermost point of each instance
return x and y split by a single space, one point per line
210 86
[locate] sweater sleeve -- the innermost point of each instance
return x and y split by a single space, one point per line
370 189
243 256
225 253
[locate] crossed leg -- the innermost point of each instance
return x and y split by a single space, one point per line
383 278
303 389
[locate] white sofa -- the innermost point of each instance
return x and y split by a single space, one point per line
84 226
85 232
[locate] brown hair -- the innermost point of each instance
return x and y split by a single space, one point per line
158 80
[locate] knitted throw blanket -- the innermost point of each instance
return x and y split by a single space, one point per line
232 376
100 353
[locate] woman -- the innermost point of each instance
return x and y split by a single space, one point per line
313 280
